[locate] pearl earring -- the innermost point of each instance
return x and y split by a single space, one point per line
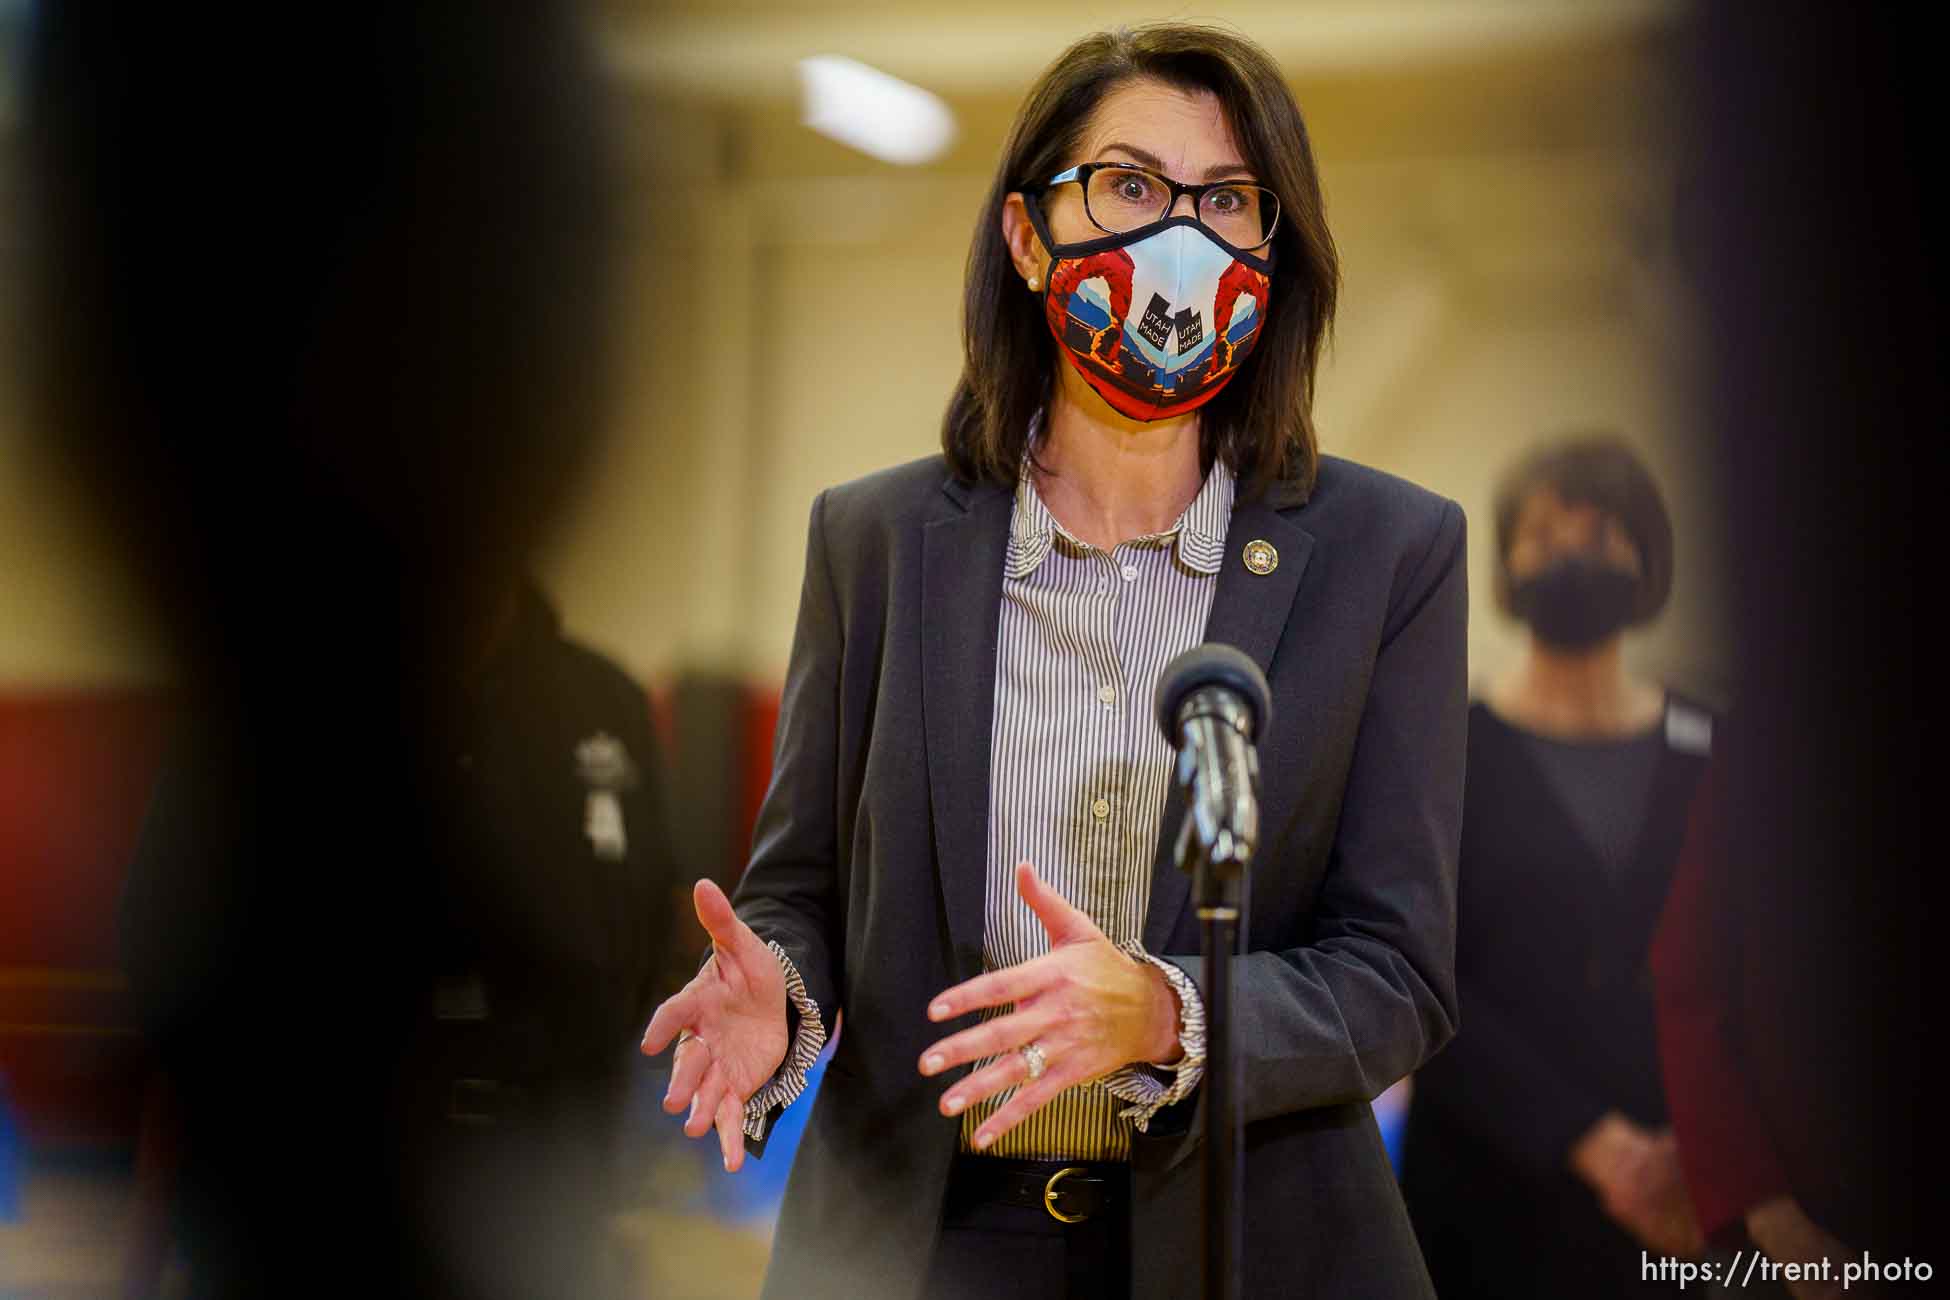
1035 284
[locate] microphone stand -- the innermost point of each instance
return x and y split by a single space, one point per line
1215 845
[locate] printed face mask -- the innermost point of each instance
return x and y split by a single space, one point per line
1156 320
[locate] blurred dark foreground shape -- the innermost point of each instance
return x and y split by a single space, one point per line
1795 957
319 316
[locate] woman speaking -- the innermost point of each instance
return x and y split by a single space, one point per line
966 846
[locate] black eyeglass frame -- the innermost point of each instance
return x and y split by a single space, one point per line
1081 173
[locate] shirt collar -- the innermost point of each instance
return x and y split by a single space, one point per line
1199 533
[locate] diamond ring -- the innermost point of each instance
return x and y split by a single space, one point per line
1032 1056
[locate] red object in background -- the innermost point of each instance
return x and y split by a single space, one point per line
1730 1164
761 721
725 769
76 770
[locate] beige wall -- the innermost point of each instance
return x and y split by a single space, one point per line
1502 216
1500 191
65 608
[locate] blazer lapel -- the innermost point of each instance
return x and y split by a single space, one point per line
961 594
1250 611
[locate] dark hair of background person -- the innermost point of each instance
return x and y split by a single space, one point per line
317 320
1813 232
1261 423
1601 470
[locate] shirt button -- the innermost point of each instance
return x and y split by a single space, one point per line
1100 809
1130 573
1108 694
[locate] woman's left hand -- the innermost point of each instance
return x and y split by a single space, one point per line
1086 1005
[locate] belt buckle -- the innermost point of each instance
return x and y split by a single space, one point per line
1050 1193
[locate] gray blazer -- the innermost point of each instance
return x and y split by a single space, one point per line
867 866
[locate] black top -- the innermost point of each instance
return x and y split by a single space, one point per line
557 884
399 977
1603 786
1554 930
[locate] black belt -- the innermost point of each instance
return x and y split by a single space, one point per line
1068 1191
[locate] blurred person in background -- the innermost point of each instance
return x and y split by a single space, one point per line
549 939
1538 1159
319 323
966 846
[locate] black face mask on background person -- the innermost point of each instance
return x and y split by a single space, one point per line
1576 601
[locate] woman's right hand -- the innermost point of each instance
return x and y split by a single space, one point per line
730 1026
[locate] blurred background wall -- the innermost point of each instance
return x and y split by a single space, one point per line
1501 178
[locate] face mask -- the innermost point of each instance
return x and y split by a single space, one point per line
1158 319
1576 601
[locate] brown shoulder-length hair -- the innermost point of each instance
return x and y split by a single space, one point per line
1261 423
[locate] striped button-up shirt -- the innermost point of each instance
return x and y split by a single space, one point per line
1078 773
1078 769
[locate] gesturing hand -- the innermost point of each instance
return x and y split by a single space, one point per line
735 1014
1089 1007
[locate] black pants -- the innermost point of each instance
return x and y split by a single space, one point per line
988 1250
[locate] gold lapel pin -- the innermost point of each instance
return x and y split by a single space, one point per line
1261 558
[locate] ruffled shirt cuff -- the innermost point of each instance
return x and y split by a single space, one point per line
1151 1088
783 1088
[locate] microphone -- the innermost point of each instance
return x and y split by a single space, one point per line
1213 702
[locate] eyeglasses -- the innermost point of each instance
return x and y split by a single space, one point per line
1118 198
